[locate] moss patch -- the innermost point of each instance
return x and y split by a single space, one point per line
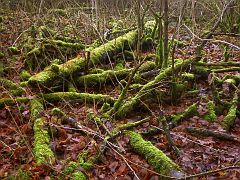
10 102
231 116
13 88
210 116
189 112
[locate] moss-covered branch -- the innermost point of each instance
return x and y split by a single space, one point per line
155 157
207 132
187 113
41 149
13 88
10 101
130 105
110 76
231 116
61 96
77 97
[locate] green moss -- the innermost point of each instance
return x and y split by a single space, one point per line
57 112
96 71
177 89
75 46
13 88
21 175
57 61
135 86
77 97
188 76
83 162
109 76
1 55
13 50
2 68
210 116
79 176
31 60
155 157
25 75
119 66
147 66
41 149
72 166
77 65
60 12
189 112
71 87
105 107
36 108
46 32
24 84
231 116
131 125
72 169
10 102
54 68
230 81
130 105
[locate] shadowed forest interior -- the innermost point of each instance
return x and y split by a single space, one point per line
116 89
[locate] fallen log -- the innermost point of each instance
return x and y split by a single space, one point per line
155 157
12 101
77 97
77 65
207 132
60 96
41 146
110 76
12 87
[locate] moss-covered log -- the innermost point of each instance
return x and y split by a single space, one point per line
41 146
204 71
155 157
77 97
61 96
231 116
130 105
219 64
207 132
10 101
76 66
111 76
178 118
101 79
13 88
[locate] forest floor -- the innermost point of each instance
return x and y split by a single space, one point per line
198 153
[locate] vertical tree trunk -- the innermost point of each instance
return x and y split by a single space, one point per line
165 62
